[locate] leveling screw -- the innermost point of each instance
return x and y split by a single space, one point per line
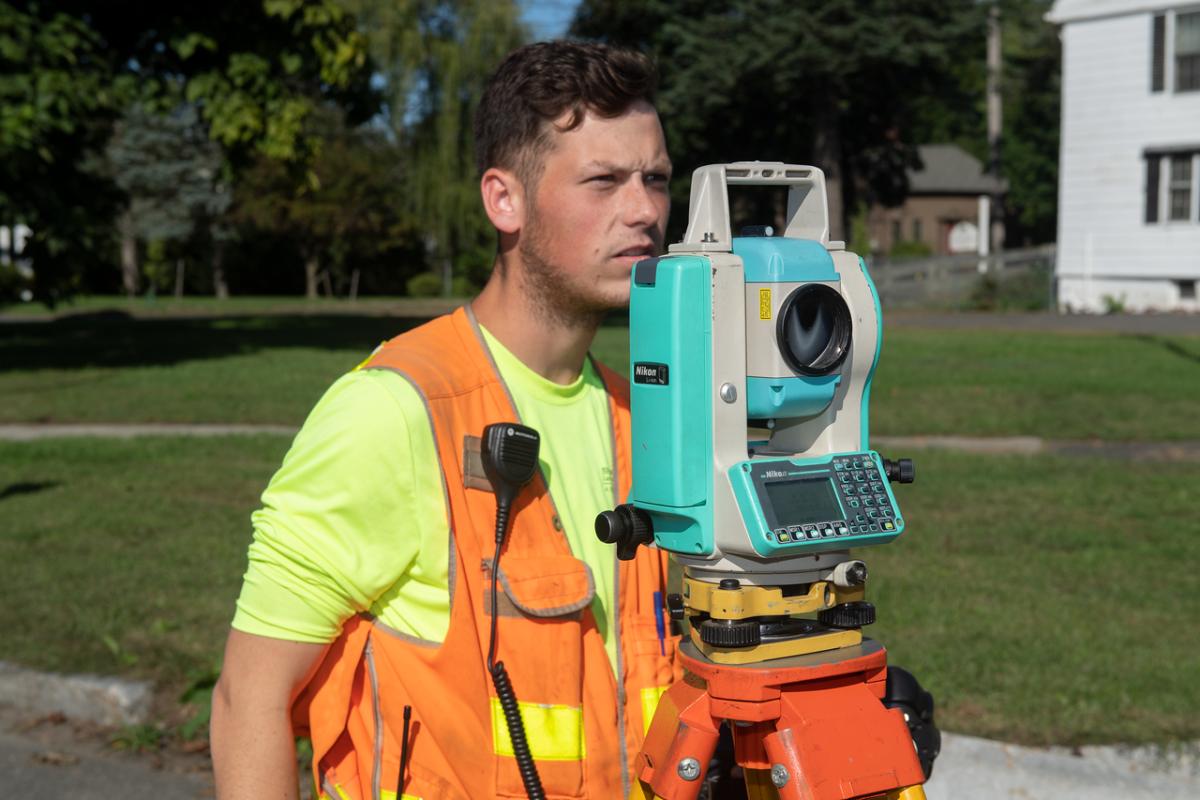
688 769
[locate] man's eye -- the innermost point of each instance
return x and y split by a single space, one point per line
657 178
602 179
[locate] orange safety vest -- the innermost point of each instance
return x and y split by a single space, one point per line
584 727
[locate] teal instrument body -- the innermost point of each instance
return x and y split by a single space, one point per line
751 360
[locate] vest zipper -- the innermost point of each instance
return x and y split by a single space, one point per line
377 770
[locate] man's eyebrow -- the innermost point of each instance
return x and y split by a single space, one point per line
608 166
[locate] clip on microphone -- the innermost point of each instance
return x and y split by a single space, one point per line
510 459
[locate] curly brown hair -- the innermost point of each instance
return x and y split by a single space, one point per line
536 84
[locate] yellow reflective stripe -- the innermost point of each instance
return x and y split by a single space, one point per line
650 698
554 733
384 795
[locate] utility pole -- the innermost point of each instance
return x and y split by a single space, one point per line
995 122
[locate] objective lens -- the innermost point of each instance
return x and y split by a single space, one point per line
814 330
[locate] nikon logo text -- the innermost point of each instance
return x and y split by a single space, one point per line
651 373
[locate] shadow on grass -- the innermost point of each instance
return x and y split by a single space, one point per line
27 487
117 340
1172 347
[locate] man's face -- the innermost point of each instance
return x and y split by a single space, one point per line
600 205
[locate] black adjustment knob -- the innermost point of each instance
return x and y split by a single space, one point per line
675 606
729 583
730 633
626 526
900 471
848 615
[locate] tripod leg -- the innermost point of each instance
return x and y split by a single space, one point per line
759 786
679 745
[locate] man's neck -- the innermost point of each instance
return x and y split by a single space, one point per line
551 347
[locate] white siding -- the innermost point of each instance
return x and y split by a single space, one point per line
1109 118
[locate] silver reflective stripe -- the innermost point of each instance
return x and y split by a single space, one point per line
329 790
376 773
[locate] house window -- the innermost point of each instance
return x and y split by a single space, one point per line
916 230
1175 43
1187 52
1173 186
896 234
1179 190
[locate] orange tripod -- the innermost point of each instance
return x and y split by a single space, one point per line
810 727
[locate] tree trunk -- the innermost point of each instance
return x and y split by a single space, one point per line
312 265
220 284
827 153
179 266
129 259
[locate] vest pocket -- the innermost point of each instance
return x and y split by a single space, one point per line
540 605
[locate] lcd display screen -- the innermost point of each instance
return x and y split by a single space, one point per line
803 501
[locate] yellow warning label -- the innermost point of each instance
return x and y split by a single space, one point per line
764 303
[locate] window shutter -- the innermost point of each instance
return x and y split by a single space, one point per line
1153 168
1159 57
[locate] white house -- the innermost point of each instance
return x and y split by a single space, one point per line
1129 170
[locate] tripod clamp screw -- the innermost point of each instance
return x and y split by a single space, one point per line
688 769
779 775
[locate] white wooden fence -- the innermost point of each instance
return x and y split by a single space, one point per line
951 281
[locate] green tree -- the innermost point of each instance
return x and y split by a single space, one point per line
255 72
172 176
434 58
826 82
345 214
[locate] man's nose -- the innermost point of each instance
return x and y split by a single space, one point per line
642 204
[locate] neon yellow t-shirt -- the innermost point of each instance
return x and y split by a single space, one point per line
354 520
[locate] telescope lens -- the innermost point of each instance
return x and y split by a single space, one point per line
814 330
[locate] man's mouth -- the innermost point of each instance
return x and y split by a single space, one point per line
640 251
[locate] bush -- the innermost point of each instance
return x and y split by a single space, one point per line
425 284
911 249
1028 291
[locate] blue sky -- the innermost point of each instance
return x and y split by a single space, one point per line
548 18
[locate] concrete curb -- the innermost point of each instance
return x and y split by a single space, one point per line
27 433
87 698
971 768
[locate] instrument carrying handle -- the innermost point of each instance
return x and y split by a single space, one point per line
708 209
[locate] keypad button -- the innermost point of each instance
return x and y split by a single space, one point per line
872 513
876 487
888 525
855 504
784 537
881 499
844 477
839 465
868 501
859 477
874 528
843 529
860 518
780 533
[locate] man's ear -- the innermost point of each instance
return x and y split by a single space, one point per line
503 199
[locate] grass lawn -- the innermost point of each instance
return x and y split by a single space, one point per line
1040 599
271 368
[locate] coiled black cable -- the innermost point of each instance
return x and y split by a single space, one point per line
504 690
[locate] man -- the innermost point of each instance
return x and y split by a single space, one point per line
365 616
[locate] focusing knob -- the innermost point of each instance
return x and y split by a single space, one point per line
900 471
848 615
730 633
626 526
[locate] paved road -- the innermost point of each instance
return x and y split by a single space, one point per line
52 760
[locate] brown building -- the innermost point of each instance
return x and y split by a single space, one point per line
948 198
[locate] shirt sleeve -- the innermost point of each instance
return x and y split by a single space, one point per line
336 530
